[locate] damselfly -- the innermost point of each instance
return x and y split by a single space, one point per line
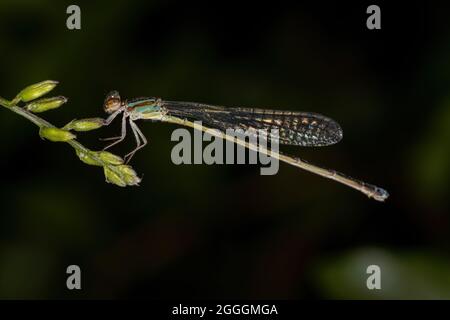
294 128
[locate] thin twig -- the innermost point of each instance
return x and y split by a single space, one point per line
115 171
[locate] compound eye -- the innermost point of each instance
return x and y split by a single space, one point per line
112 102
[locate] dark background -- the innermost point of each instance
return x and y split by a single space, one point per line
225 231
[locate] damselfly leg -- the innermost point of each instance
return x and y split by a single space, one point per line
123 133
141 141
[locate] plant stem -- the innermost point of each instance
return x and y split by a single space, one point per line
24 113
41 123
36 120
115 170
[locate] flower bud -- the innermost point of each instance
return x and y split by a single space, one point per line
87 157
56 134
42 105
85 124
37 90
129 175
110 158
113 177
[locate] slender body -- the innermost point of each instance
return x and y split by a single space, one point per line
294 128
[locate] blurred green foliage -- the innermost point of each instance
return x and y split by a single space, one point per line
430 158
404 275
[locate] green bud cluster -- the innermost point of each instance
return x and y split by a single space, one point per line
116 172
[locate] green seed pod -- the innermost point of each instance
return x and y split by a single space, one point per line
114 178
84 124
37 90
86 157
42 105
56 134
129 175
110 158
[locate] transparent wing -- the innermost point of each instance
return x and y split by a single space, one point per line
294 128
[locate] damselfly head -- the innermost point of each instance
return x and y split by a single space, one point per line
112 102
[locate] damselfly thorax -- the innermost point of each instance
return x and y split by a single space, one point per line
293 128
